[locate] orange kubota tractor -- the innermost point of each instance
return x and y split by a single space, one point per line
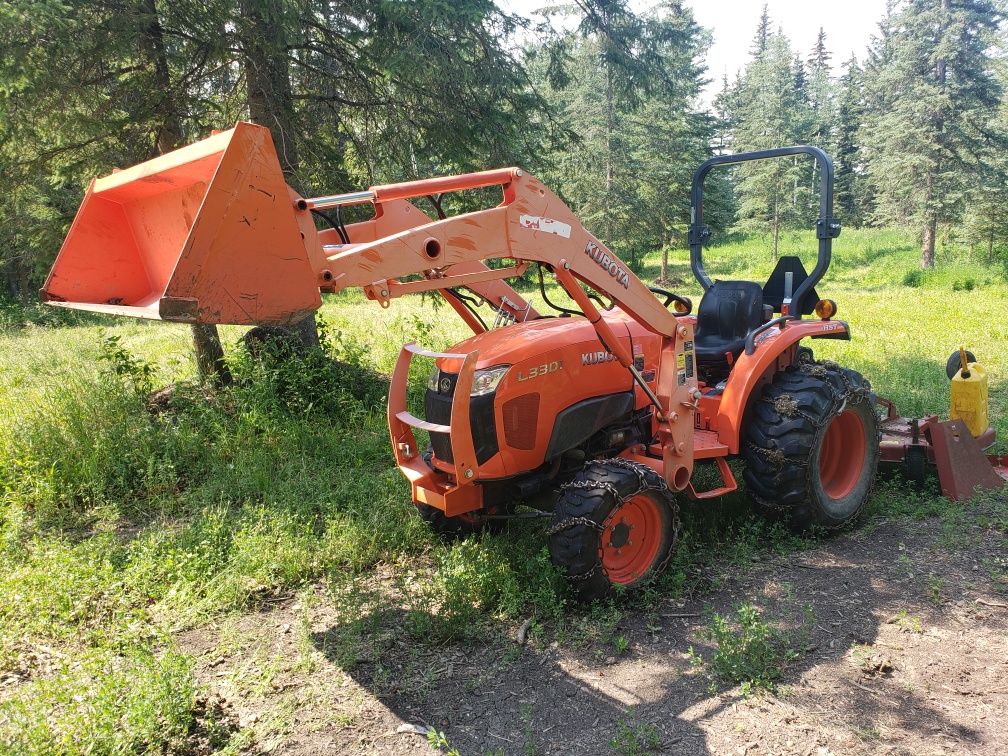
594 417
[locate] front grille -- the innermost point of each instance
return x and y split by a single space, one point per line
437 409
521 415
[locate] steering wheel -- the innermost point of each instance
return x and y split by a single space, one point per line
684 302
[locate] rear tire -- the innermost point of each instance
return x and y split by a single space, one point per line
812 446
616 524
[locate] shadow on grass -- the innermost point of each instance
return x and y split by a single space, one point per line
633 662
15 316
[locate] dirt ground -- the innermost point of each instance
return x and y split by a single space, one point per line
907 654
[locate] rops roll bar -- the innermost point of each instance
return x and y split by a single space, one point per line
827 227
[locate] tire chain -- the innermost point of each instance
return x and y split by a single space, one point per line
639 470
585 575
570 522
644 485
818 369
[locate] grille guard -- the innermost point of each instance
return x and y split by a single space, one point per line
429 487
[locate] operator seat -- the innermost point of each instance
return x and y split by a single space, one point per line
728 312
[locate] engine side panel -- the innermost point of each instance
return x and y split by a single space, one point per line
555 363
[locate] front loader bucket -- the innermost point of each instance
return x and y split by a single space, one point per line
204 234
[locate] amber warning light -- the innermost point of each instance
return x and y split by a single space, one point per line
825 308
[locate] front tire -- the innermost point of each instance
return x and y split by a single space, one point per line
812 446
616 524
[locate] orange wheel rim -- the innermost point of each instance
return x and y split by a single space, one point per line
631 537
842 456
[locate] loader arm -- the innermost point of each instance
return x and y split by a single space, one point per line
531 224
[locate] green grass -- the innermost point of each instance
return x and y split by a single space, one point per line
633 739
119 527
102 702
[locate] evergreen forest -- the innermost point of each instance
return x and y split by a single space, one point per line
600 100
224 557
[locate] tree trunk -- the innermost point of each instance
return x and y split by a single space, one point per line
169 130
664 265
990 245
22 279
268 84
307 332
11 276
271 104
928 246
206 341
210 355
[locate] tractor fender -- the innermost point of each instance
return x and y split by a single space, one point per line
771 354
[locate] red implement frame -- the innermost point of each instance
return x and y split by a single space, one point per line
957 455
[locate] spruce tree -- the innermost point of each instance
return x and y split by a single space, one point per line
849 196
633 107
768 111
762 36
932 101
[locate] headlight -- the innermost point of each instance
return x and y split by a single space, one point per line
432 382
485 381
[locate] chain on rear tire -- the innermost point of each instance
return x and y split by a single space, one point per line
786 433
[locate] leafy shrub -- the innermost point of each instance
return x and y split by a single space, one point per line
914 278
121 363
750 651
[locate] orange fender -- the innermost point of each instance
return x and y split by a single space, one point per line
772 353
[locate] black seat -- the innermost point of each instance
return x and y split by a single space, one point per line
728 311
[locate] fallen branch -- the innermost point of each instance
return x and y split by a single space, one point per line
991 603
